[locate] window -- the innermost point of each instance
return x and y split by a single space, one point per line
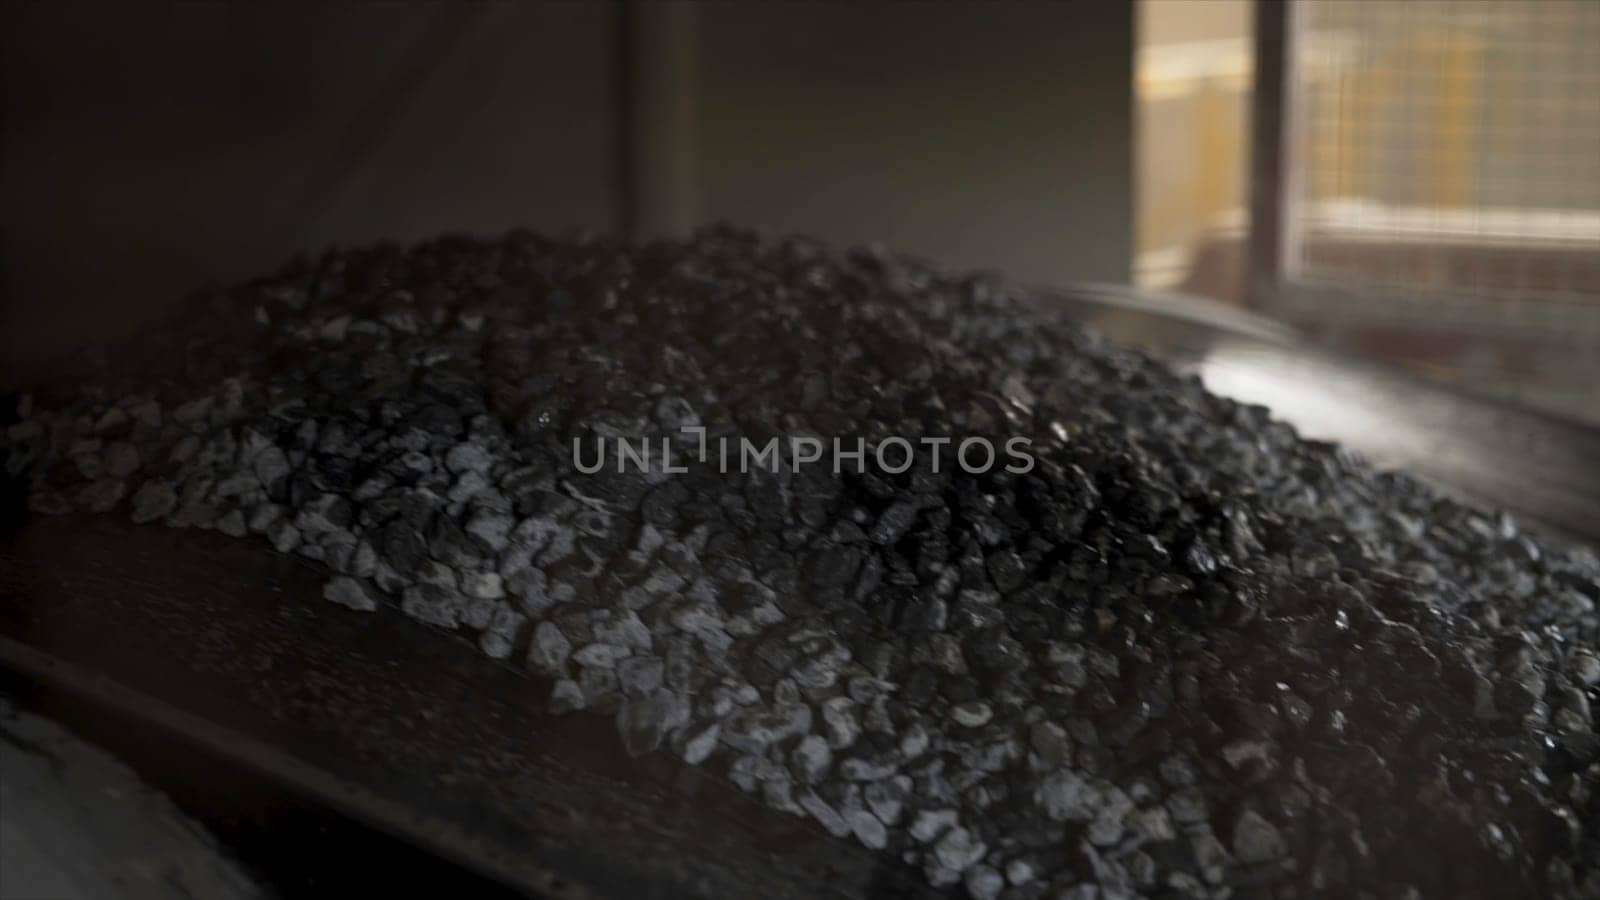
1439 202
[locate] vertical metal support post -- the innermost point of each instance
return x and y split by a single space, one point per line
1274 171
659 190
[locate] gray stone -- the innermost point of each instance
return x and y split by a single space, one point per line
1255 840
468 457
699 746
868 829
1067 797
1020 872
492 528
931 823
839 722
349 592
566 697
972 714
984 883
284 536
1050 742
887 798
825 815
153 500
433 604
640 675
232 524
811 758
270 466
958 849
482 585
550 649
600 656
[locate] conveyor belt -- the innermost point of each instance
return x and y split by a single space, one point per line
213 640
1543 469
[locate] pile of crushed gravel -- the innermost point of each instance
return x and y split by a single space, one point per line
1185 654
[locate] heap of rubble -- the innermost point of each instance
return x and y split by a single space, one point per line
1182 653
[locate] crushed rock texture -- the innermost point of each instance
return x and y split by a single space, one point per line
1186 654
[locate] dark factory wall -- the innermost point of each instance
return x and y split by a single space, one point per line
978 135
151 147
